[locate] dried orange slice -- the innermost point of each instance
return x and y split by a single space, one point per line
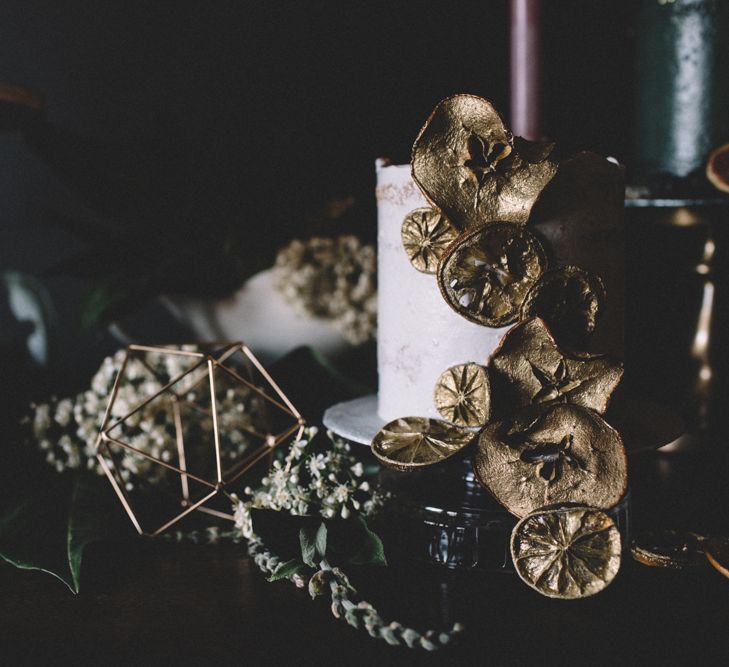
486 274
717 168
570 300
17 104
464 160
566 454
425 236
567 553
672 549
410 443
528 368
716 549
462 395
13 94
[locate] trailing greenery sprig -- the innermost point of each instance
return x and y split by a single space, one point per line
361 615
314 505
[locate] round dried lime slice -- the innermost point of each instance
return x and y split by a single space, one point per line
462 395
716 549
410 443
566 453
486 274
570 300
568 553
425 236
672 549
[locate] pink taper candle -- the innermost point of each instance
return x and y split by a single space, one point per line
525 68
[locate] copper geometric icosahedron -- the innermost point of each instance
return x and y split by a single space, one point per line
195 424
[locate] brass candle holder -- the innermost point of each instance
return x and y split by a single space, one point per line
191 401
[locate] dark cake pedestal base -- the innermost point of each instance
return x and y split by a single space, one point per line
443 517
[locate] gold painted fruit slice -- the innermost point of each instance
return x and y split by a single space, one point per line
566 454
411 443
465 162
462 395
528 368
717 168
486 274
425 236
567 553
570 300
672 549
17 106
716 549
19 96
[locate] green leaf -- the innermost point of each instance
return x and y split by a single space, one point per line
279 531
49 526
313 540
95 515
100 302
287 569
370 549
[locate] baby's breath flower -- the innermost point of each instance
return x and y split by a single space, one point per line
66 430
333 278
327 484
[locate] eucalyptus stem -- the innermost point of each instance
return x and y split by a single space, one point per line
361 615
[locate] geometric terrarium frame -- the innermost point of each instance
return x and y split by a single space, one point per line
191 421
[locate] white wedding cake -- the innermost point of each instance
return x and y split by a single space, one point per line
420 335
474 179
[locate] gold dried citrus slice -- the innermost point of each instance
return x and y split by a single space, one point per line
464 160
19 96
528 368
486 274
717 168
568 553
462 395
716 549
425 236
672 549
17 104
566 454
570 300
410 443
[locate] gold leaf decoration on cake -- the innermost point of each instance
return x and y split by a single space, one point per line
462 395
528 368
425 236
410 443
569 553
570 300
566 454
468 165
485 275
673 549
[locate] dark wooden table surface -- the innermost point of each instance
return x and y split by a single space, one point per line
158 603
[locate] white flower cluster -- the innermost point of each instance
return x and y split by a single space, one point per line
335 278
67 429
328 484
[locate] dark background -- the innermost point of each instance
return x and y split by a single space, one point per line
281 104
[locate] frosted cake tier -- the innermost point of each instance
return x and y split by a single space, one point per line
580 219
418 335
